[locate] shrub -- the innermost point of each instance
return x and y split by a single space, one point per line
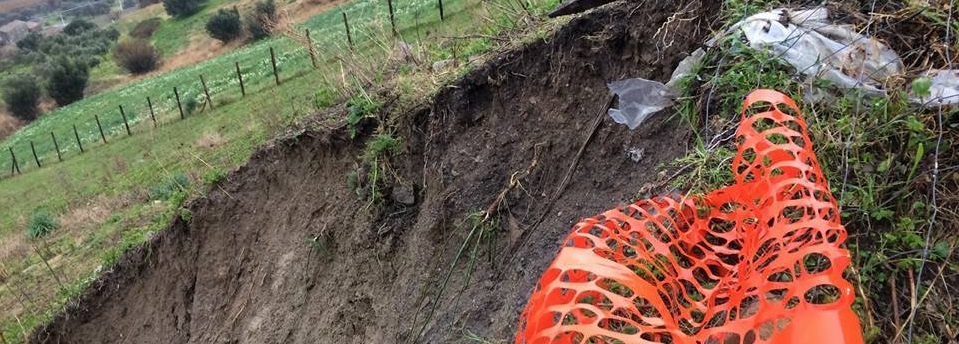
225 25
182 8
78 27
170 187
30 42
41 224
68 78
22 95
136 56
146 28
262 20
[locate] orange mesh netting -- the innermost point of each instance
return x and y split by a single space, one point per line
756 262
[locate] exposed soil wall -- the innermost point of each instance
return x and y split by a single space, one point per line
240 269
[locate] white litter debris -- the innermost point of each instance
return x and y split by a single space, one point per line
638 99
810 43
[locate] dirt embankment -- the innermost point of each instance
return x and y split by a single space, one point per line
240 269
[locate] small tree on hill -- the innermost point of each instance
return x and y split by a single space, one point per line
77 27
182 8
262 20
30 42
22 95
225 25
136 56
68 79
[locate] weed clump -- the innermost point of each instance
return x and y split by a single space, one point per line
41 224
176 184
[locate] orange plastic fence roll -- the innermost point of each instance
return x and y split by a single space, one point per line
758 261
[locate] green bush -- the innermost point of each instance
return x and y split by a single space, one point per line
261 22
170 187
146 28
225 25
30 42
41 224
22 95
182 8
78 27
137 56
68 78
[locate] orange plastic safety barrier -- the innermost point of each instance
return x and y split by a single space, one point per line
756 262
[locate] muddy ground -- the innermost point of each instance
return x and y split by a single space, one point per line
239 269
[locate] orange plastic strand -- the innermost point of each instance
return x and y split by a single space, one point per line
758 261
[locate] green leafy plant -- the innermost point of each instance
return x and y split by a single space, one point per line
176 184
68 78
21 93
182 8
360 106
41 224
225 25
137 56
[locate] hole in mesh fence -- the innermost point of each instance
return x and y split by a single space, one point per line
687 327
656 232
749 306
780 276
696 251
680 257
775 295
822 294
702 277
580 241
718 225
731 207
717 320
792 303
692 291
724 338
577 275
602 339
789 110
615 287
758 108
595 298
579 316
628 252
793 213
816 263
797 139
646 308
619 326
762 124
777 138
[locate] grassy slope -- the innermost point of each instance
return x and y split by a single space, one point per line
119 176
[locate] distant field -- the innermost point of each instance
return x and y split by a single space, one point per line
10 5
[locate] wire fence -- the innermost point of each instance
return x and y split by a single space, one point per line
192 91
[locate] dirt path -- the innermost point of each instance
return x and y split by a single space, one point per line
241 271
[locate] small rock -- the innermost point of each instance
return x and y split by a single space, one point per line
441 65
635 154
404 194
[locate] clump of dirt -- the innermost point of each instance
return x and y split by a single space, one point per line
285 251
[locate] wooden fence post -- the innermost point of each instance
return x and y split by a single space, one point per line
309 41
349 36
392 20
125 124
153 115
16 166
77 135
57 146
276 74
240 77
35 157
178 105
442 15
104 137
206 91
